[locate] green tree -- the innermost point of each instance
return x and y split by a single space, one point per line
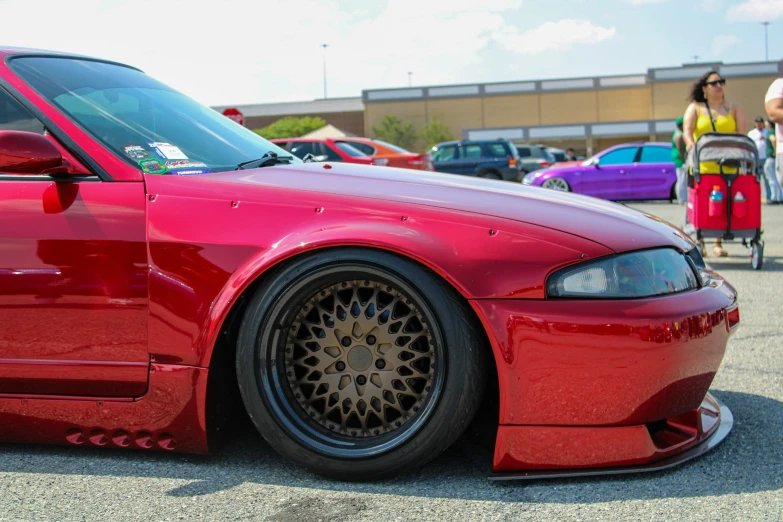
290 127
434 132
394 131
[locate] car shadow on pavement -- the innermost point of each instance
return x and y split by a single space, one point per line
747 461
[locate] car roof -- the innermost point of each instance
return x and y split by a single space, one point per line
7 51
462 142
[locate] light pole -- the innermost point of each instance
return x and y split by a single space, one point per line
409 78
766 46
695 58
324 46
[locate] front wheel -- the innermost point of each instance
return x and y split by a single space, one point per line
359 364
756 255
557 184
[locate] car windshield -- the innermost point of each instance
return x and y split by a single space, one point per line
351 151
147 124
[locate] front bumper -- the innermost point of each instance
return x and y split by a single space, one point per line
541 452
598 384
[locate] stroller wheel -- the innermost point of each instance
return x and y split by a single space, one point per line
756 255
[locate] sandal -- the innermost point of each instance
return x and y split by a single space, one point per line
718 251
703 249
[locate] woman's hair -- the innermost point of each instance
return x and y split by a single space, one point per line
697 94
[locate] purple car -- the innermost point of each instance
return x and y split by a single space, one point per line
628 171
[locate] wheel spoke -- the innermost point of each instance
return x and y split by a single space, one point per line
359 358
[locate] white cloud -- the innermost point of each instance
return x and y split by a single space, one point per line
645 2
263 51
722 42
756 11
711 6
555 36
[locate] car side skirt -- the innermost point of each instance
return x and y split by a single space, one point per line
169 417
546 452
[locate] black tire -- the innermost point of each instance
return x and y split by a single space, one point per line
456 355
490 174
756 255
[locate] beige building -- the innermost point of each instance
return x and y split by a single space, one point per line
588 114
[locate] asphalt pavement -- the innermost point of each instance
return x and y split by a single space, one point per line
742 479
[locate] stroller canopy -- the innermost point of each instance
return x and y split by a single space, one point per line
732 150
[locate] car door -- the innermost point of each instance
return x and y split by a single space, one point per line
470 155
654 175
609 176
445 159
73 278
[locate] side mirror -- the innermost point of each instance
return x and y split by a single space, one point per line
29 153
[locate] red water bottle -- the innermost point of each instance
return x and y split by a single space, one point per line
716 202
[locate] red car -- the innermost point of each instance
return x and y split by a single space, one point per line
389 155
161 265
323 149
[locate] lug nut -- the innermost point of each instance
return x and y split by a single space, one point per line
340 366
371 339
380 364
362 380
346 341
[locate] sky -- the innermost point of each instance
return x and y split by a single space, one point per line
233 52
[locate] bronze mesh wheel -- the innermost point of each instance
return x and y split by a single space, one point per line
359 364
359 358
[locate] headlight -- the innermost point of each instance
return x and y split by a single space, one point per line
637 274
528 179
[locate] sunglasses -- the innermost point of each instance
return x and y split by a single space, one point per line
716 82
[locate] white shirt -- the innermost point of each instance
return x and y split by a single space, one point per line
760 138
776 91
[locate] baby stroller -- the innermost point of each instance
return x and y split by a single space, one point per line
724 191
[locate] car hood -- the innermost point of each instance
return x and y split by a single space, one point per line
613 225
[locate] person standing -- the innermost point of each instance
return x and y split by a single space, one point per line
774 105
709 111
678 156
570 156
759 136
769 165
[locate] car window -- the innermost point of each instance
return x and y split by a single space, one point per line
656 155
446 153
524 152
393 147
13 116
559 156
144 122
325 150
300 149
622 156
498 150
470 151
348 149
367 149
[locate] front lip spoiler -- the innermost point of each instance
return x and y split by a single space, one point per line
717 436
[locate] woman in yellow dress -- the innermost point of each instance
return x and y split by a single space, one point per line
710 112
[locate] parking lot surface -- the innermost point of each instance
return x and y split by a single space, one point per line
742 479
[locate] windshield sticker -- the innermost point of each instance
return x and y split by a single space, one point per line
167 151
190 172
153 166
185 164
135 152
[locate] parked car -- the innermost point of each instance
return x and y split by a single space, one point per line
534 157
558 155
624 172
323 149
491 159
387 154
164 267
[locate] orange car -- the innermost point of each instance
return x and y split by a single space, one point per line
389 155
